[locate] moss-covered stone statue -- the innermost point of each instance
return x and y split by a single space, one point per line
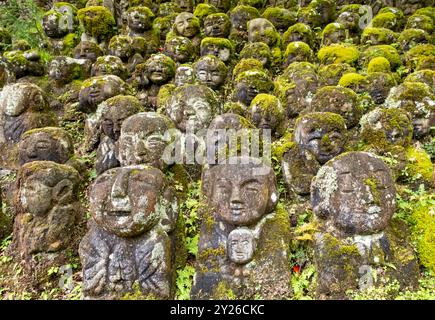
111 115
211 71
127 245
354 198
59 25
250 83
47 215
318 137
242 249
217 25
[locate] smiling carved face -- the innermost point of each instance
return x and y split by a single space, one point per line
356 191
239 196
124 200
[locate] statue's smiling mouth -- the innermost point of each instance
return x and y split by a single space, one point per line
119 213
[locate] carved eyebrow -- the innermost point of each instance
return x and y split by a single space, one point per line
223 180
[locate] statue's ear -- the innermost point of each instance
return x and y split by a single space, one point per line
206 183
63 190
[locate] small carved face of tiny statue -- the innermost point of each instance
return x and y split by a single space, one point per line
356 191
262 30
143 139
239 196
192 104
124 200
217 25
180 49
240 246
322 138
187 25
55 24
138 21
159 69
36 197
42 146
87 50
210 72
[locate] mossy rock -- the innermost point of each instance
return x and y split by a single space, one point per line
354 81
297 51
425 76
387 20
417 21
428 11
339 53
202 10
410 38
419 52
419 167
386 51
246 65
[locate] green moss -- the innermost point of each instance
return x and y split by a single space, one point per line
97 21
423 22
386 20
372 183
282 145
386 51
379 64
419 164
422 51
246 65
351 79
221 43
335 248
331 73
258 79
282 14
302 31
203 9
298 51
428 11
338 53
376 124
223 291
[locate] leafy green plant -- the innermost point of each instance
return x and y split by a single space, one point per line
303 283
184 282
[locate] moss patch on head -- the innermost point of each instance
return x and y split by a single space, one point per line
246 65
419 165
386 51
339 53
379 64
378 36
352 80
202 10
97 21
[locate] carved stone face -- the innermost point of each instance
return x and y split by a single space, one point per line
186 25
184 75
217 25
125 201
386 127
55 24
242 193
323 134
259 51
121 46
138 20
109 65
262 30
64 69
196 104
185 5
115 111
97 89
180 49
47 194
356 192
267 112
46 144
249 84
87 50
19 97
221 49
143 139
240 246
211 72
159 69
45 185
